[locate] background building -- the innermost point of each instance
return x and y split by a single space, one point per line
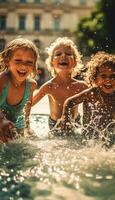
41 21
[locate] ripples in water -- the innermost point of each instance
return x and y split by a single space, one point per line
38 168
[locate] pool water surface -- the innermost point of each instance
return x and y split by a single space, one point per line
42 168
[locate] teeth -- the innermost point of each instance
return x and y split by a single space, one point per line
22 72
108 86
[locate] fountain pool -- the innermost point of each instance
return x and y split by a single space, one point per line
39 168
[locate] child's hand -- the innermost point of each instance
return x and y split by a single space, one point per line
63 128
6 130
64 125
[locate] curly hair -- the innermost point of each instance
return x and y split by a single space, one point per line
98 60
67 42
13 45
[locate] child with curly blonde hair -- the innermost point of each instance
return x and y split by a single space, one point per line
63 63
17 62
99 100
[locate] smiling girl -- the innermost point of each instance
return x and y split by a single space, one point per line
18 62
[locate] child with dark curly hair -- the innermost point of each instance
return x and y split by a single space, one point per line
99 100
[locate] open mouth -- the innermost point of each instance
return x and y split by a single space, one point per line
22 73
63 63
108 86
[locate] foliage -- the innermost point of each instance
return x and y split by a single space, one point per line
97 31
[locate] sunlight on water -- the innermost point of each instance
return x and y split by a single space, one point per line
40 125
38 168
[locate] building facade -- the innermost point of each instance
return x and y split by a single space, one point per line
41 21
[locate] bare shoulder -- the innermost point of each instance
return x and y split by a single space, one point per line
45 89
42 90
47 86
81 85
90 93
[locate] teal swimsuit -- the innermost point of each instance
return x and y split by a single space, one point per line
15 113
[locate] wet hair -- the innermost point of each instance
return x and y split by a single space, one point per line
100 59
19 43
67 42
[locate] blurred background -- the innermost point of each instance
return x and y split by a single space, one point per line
89 23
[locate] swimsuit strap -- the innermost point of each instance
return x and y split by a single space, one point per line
26 94
20 106
15 113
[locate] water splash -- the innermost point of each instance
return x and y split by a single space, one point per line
57 168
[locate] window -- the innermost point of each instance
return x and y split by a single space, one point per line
22 21
22 1
57 1
82 2
37 23
37 1
57 23
37 43
2 44
2 23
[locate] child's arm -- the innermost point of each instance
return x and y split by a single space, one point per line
42 91
73 101
6 126
29 103
65 120
6 129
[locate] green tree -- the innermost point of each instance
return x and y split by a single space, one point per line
97 32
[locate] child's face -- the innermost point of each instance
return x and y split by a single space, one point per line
63 59
21 64
105 79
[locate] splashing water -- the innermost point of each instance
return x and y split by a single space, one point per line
39 168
